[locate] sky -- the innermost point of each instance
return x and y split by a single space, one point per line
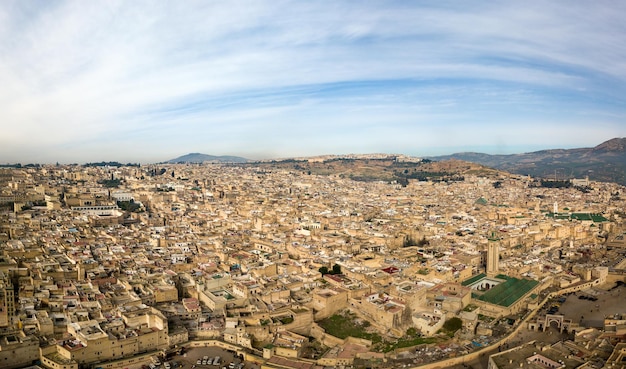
148 81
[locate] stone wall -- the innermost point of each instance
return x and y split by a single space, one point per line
326 339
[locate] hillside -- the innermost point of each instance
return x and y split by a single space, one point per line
387 169
605 162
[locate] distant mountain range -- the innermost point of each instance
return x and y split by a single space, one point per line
202 158
605 162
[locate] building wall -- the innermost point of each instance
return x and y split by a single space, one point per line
302 321
165 293
21 352
108 347
53 364
274 296
286 352
327 304
179 337
378 313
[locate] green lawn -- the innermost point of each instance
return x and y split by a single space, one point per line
406 341
345 325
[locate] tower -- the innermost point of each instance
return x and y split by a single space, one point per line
493 255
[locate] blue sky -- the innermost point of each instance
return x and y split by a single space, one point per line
138 81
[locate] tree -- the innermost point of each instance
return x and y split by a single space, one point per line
453 324
408 241
335 270
403 181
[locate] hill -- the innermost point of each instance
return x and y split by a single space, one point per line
382 169
605 162
202 158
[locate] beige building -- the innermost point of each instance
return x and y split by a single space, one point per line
18 350
449 297
165 293
384 310
328 301
139 330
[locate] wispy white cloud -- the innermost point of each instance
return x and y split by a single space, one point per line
251 77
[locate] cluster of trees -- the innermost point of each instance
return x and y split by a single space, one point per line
366 178
403 177
410 241
153 172
452 325
550 183
111 164
335 270
587 189
131 206
109 183
19 165
555 184
29 205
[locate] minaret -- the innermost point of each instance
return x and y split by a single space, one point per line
493 255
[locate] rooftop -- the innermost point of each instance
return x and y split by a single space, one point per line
507 293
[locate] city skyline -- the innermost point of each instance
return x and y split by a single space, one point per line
148 82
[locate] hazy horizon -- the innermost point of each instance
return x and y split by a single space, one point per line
495 151
151 81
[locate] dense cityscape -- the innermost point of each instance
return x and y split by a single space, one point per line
131 266
363 184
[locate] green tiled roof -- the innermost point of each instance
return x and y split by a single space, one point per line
596 218
581 216
481 201
473 279
507 293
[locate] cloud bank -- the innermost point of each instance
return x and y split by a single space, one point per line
148 81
